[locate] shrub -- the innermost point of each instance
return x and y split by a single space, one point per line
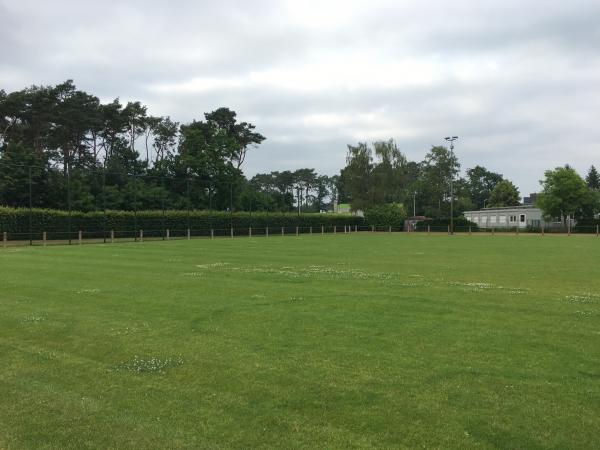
391 214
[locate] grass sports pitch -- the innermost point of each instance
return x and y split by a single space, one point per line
346 341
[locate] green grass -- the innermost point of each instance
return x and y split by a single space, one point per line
347 341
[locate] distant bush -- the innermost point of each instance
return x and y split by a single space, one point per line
389 215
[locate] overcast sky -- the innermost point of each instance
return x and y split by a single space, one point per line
517 81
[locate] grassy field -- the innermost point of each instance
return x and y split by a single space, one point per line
347 341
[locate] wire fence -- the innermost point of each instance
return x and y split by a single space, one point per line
148 235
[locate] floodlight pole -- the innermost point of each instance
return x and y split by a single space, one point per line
298 198
415 204
451 140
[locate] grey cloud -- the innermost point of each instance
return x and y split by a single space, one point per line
516 80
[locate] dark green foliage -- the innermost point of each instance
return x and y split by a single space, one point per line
593 179
481 183
505 193
567 194
16 220
391 214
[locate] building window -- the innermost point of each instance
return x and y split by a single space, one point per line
522 218
492 219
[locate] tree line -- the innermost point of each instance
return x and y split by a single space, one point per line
380 174
60 145
61 148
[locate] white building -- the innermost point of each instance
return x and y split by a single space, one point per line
508 217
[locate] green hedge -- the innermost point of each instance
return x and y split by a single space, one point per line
54 221
434 224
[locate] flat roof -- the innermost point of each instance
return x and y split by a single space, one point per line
506 208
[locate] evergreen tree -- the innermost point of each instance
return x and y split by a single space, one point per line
593 179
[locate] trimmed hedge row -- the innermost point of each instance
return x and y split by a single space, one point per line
459 222
17 220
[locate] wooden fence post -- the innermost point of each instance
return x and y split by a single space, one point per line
597 230
372 228
322 229
296 231
168 234
428 230
112 236
232 232
44 238
310 230
267 232
543 226
356 228
448 229
390 229
79 237
469 230
335 229
141 235
282 231
212 233
4 238
189 234
249 231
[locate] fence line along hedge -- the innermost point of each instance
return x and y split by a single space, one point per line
17 220
459 222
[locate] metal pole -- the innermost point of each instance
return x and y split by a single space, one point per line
414 204
135 224
231 206
188 206
162 182
104 204
451 140
69 201
30 210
